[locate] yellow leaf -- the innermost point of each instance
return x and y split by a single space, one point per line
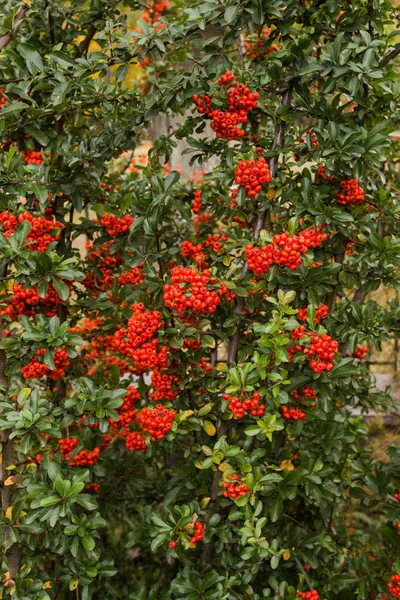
11 480
9 513
287 465
225 467
270 194
286 555
46 585
205 502
186 414
209 428
222 367
73 584
12 591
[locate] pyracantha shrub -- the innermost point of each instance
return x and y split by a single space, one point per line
183 350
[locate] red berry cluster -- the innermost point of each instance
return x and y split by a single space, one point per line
321 352
250 406
213 242
188 291
146 357
397 495
193 251
133 277
3 99
154 10
143 324
199 220
31 157
203 104
311 595
204 366
198 533
234 488
252 175
67 445
136 441
307 393
116 226
320 313
261 45
43 231
240 101
86 458
314 142
36 369
127 414
351 192
23 302
394 586
156 421
292 413
93 488
321 172
285 250
361 352
163 385
311 136
197 204
104 262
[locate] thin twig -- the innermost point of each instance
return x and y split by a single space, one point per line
391 56
19 17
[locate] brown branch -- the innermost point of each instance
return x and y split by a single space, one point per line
233 351
391 56
63 247
19 17
8 459
241 48
273 168
84 47
360 294
374 592
331 296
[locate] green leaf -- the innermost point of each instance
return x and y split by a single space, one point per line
230 14
50 500
61 288
14 107
87 501
88 543
29 53
276 508
252 430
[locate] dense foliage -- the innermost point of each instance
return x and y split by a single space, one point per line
183 362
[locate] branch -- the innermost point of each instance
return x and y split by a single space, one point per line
19 17
330 298
391 56
360 294
273 168
8 460
84 47
208 549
